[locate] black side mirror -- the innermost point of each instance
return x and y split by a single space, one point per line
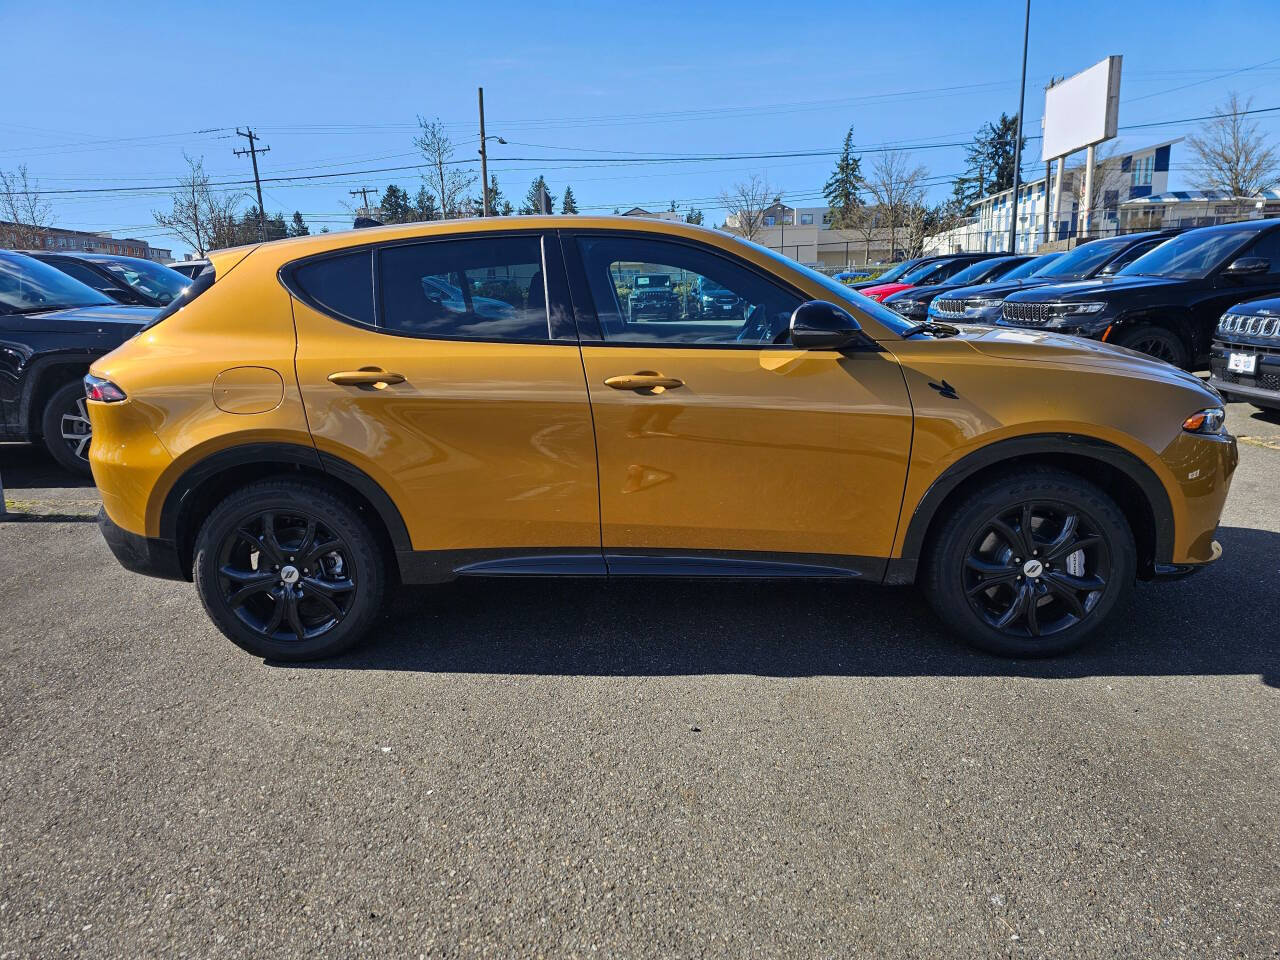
1245 266
819 325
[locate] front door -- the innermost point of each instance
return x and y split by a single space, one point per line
719 450
459 393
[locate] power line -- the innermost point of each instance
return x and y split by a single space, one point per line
253 152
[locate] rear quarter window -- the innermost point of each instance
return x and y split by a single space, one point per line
341 285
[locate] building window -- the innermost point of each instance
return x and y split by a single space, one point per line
826 218
1142 167
806 219
768 221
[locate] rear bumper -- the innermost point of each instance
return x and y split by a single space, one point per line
146 555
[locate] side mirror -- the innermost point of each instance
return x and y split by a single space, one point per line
1245 266
819 325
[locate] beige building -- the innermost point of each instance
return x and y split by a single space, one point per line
78 241
805 234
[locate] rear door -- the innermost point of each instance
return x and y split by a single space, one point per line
448 370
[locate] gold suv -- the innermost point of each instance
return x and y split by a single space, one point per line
319 418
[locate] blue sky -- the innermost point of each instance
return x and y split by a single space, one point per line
123 90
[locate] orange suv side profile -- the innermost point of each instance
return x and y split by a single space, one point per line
319 419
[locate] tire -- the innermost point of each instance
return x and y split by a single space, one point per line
331 597
1051 610
66 429
1158 342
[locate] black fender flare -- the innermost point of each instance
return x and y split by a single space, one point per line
289 455
1037 444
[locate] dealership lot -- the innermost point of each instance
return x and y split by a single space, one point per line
570 769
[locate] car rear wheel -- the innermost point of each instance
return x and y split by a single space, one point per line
288 571
1032 564
66 428
1155 342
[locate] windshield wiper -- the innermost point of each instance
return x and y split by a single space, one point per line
945 329
40 309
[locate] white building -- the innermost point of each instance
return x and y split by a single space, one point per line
1181 209
1118 179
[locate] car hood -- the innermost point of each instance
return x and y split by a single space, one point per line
881 290
1091 289
1049 347
996 289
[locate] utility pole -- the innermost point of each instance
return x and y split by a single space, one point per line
1017 141
484 161
253 152
363 194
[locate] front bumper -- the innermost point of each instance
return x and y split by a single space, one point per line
1177 571
146 555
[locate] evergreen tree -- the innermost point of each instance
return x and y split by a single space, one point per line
532 201
570 204
844 190
496 201
693 216
989 164
298 227
277 229
395 205
507 209
424 205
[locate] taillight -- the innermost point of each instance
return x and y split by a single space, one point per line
104 391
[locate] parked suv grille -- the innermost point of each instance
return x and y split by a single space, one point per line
953 308
1026 312
1249 326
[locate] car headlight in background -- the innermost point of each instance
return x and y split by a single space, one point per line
909 308
1208 421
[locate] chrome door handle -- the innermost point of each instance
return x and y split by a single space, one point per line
644 380
374 377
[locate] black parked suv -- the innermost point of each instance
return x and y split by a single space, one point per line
128 280
653 297
1245 359
1167 302
708 300
51 328
1094 258
913 302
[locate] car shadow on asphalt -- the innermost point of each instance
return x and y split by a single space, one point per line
28 466
1221 621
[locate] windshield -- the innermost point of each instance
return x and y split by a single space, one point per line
1083 260
1188 257
893 273
922 274
160 283
1032 267
27 285
839 293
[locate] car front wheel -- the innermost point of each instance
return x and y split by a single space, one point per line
289 571
1032 564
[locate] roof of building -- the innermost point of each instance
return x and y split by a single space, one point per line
1201 196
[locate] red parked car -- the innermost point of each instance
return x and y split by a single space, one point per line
935 271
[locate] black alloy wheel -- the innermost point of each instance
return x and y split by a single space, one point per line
1036 569
1029 563
288 570
1157 342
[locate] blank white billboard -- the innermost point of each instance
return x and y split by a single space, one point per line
1081 110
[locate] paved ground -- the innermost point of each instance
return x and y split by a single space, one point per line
559 769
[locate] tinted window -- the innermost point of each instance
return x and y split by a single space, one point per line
158 282
1132 254
489 288
86 275
1084 259
27 285
984 270
1268 247
1032 266
341 284
893 273
702 298
1188 256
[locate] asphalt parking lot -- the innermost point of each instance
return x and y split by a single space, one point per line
635 769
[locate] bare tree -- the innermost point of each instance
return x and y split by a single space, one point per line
746 203
203 219
22 204
897 185
866 221
446 181
1107 177
1230 155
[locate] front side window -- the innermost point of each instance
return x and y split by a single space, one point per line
656 291
29 286
159 283
1189 256
489 288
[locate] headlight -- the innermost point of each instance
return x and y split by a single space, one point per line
1036 314
908 308
977 305
1209 421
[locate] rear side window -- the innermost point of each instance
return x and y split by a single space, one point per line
489 288
342 285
